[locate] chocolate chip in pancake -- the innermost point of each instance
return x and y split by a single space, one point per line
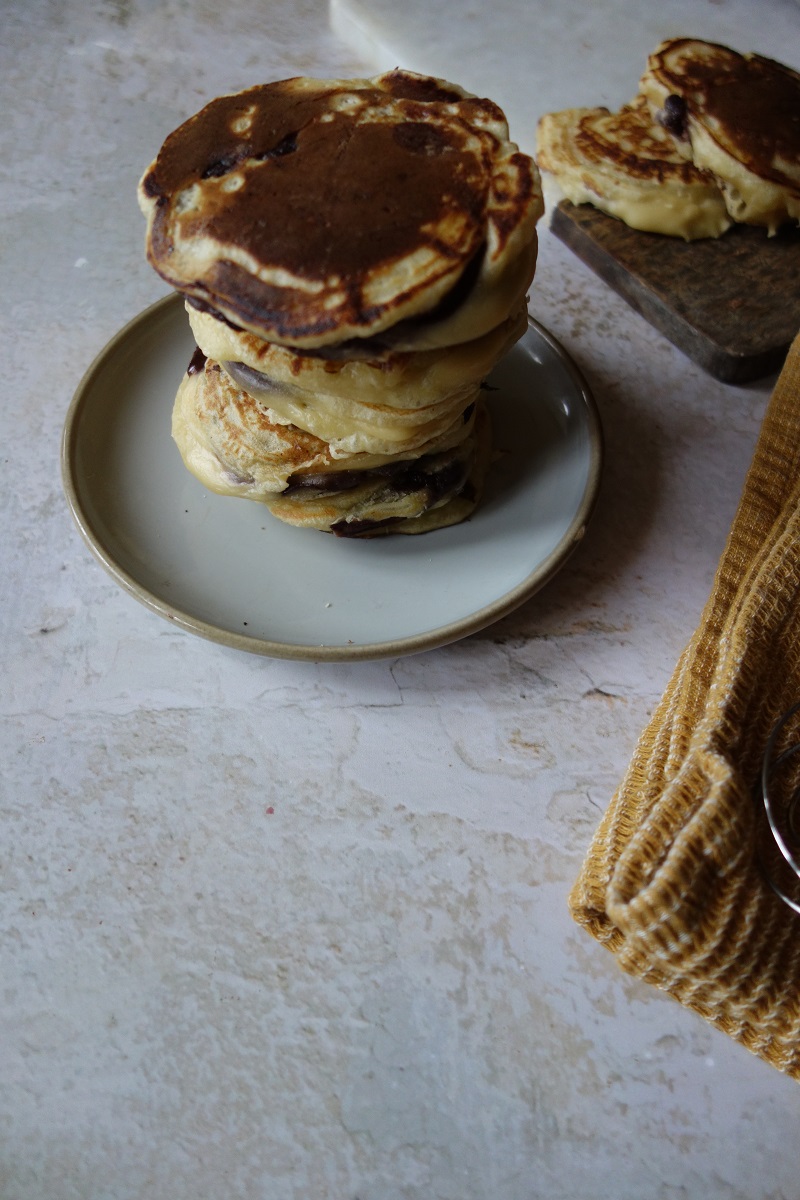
736 115
235 447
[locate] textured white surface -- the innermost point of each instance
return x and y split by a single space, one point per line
288 931
533 57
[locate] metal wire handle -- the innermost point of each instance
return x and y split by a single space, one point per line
782 872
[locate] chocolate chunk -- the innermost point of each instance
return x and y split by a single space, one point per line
287 145
197 362
253 381
221 166
326 481
435 473
673 116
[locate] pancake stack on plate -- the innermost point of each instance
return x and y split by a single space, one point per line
711 139
355 257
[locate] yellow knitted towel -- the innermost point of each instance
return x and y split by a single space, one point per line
672 884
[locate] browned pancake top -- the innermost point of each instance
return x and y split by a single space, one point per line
744 99
304 206
311 208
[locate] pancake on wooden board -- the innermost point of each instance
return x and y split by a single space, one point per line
736 115
627 164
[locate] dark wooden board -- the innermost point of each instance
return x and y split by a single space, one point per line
732 304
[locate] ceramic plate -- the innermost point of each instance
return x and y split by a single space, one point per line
223 568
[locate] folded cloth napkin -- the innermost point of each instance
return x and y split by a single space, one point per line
672 883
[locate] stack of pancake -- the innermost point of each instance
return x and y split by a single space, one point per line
712 138
355 257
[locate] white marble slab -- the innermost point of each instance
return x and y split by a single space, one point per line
285 930
535 57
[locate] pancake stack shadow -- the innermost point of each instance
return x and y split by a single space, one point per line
355 256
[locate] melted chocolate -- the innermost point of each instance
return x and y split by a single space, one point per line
450 480
226 164
205 307
197 362
249 379
673 116
435 473
220 166
327 481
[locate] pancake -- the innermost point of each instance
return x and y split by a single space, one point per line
233 446
628 165
313 212
427 493
384 406
736 115
353 429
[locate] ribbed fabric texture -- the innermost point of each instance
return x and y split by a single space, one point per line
672 884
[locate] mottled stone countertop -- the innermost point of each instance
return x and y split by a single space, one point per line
293 931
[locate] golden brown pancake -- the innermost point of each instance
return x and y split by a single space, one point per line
431 492
627 164
310 212
389 405
736 115
231 443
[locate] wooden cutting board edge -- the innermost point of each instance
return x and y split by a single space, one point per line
719 361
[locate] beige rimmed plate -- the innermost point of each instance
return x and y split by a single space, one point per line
225 569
